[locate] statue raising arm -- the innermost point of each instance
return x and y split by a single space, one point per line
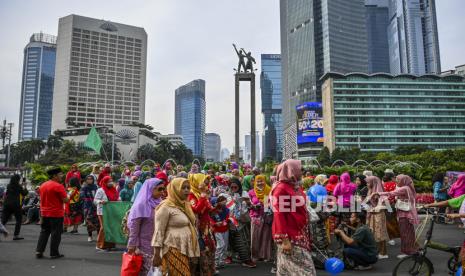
237 52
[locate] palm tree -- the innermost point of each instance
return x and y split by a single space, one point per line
165 145
54 142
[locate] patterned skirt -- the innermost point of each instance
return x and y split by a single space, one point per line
392 225
174 263
377 223
408 244
298 263
262 241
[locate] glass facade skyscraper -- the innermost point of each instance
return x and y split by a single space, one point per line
413 37
317 36
377 16
270 84
381 112
190 115
212 147
35 119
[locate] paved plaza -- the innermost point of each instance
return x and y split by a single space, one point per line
81 258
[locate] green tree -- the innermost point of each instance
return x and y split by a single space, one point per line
324 158
410 149
54 142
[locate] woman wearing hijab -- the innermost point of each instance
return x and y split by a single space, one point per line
291 222
202 207
376 216
362 189
74 172
128 191
408 217
105 172
141 222
121 184
458 188
106 192
332 182
88 191
73 209
247 182
262 242
238 230
175 237
143 176
95 172
344 190
12 204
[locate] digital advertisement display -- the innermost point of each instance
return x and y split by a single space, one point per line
309 123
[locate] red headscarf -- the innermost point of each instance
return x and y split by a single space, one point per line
162 176
111 192
332 182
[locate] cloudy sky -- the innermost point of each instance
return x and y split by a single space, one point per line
187 40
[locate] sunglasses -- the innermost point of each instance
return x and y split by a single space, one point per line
161 189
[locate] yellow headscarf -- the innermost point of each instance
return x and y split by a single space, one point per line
197 180
265 191
174 200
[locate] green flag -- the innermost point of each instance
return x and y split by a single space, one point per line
93 141
113 214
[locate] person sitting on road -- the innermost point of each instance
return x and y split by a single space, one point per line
361 246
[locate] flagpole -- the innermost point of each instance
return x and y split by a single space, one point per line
113 149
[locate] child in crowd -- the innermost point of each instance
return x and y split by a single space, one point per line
220 224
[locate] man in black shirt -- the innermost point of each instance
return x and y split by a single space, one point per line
361 246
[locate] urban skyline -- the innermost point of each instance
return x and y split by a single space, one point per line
446 18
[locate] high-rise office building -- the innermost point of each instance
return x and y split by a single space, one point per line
270 84
248 148
381 112
100 73
37 87
212 147
377 16
190 115
225 154
317 36
413 37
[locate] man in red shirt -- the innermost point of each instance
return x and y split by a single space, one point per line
52 198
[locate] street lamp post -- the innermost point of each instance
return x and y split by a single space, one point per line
10 125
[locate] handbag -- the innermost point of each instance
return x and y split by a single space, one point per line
403 204
131 264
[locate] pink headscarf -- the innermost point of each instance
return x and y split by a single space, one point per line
406 181
374 186
290 171
346 185
458 188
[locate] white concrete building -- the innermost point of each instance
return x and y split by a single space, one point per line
100 73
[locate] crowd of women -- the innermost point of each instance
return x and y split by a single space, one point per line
197 222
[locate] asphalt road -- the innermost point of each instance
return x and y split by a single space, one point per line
81 259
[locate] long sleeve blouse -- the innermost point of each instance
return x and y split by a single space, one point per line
99 198
258 210
201 208
172 230
141 233
290 217
403 193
